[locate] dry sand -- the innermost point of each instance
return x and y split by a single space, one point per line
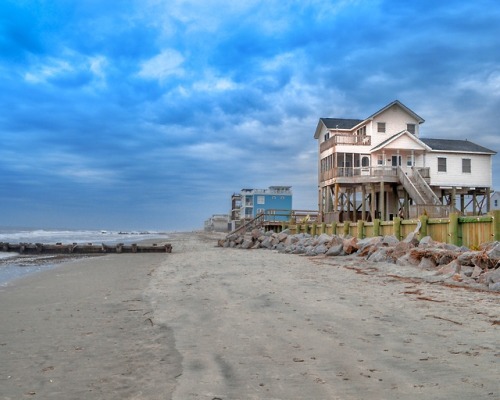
212 323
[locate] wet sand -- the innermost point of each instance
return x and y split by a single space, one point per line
212 323
83 330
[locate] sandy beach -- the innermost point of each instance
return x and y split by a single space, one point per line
213 323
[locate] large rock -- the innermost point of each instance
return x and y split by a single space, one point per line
324 238
321 249
401 249
350 245
380 256
412 239
256 233
267 242
247 244
476 272
494 252
427 263
466 258
291 239
452 268
492 276
282 236
367 242
335 250
390 240
335 240
426 241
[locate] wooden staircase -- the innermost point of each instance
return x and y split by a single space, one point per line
255 223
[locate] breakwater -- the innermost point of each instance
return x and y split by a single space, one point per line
78 248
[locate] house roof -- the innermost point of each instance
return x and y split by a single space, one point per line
453 145
398 103
340 123
397 136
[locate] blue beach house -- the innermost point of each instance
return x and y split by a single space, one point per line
275 202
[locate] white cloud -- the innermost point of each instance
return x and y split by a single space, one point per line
97 65
214 152
50 69
214 84
59 163
70 62
486 84
161 66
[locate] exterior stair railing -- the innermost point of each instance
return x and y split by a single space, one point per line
428 193
410 187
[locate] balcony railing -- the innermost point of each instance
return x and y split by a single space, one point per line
345 172
346 139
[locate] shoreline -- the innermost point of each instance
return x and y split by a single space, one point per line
17 266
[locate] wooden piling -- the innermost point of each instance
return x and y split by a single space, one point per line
453 236
361 225
397 227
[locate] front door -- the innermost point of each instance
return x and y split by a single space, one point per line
396 161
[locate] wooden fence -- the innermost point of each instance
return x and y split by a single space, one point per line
461 231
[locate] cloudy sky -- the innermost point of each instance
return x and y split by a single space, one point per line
149 114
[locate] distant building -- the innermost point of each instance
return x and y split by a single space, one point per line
276 201
235 206
495 201
217 223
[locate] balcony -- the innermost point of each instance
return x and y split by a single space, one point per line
361 174
346 139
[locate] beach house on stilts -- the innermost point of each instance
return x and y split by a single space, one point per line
380 167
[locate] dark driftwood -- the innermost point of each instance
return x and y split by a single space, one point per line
89 248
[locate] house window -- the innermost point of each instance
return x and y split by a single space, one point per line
381 127
441 164
327 136
410 128
496 203
380 160
261 200
466 165
409 161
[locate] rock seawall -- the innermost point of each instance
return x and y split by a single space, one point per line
460 265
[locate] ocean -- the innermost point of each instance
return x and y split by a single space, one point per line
14 266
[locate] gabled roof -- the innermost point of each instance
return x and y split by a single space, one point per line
397 136
456 146
398 103
347 123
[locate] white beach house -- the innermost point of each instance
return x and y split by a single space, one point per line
380 167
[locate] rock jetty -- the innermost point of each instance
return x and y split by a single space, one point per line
479 268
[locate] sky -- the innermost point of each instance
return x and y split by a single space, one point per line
150 114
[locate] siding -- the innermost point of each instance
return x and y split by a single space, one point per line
395 121
480 175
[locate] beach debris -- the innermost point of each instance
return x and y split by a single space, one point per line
453 265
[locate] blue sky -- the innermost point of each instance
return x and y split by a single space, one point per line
149 114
